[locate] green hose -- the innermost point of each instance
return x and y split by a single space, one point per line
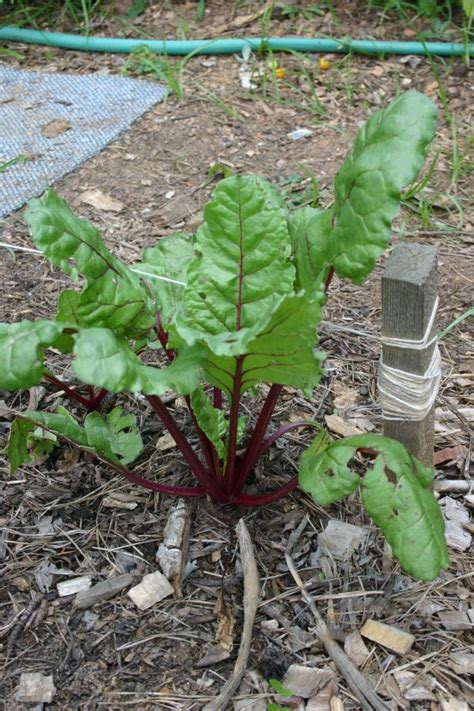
232 46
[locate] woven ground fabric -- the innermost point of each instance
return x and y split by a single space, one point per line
58 121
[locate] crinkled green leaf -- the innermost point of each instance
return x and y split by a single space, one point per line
113 296
22 348
17 448
115 438
326 476
242 268
211 420
395 494
41 443
105 360
388 153
60 422
126 442
68 303
169 258
282 353
310 231
118 431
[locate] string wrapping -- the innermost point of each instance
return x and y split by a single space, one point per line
410 396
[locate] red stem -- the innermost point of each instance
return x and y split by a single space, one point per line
268 498
100 396
204 478
282 431
217 398
154 486
230 470
70 392
367 452
252 451
163 339
328 280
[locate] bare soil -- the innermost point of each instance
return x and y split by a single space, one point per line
56 518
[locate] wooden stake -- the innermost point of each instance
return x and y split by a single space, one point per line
409 292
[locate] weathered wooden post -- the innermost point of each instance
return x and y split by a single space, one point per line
409 371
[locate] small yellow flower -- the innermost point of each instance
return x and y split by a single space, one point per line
324 64
280 73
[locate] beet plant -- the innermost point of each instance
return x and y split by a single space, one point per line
212 316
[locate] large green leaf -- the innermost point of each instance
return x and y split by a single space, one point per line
283 352
395 494
242 269
169 258
106 360
113 296
22 351
388 152
310 231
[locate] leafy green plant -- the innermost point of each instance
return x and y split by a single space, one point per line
212 316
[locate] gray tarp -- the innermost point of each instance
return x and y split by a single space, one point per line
32 105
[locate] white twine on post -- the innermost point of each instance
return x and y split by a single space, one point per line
18 248
410 396
415 345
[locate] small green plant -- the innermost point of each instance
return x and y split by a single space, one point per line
215 315
280 84
279 689
143 60
307 12
200 10
138 8
300 190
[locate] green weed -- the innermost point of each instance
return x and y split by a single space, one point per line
279 81
300 189
306 12
28 12
200 10
219 102
145 62
13 161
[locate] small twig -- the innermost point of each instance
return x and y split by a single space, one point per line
22 622
251 595
368 699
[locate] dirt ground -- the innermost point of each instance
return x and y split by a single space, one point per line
71 517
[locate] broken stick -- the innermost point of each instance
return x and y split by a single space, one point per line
367 697
251 595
